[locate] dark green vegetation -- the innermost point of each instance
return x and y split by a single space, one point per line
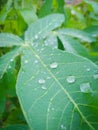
48 65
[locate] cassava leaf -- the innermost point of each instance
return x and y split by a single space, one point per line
29 15
73 46
58 90
8 40
82 35
6 59
43 26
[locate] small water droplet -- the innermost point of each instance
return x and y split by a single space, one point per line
26 61
43 87
48 77
12 60
54 65
9 67
88 69
36 36
70 79
52 108
63 127
95 76
36 61
41 81
85 87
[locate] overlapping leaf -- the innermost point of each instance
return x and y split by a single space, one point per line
8 40
6 59
84 36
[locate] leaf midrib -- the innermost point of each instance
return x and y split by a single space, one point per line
65 91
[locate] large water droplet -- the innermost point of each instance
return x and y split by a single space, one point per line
54 65
85 87
95 76
41 81
70 79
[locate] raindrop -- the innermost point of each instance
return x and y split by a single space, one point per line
70 79
26 61
63 127
36 61
54 65
43 87
52 109
88 69
41 81
9 67
85 87
95 76
48 77
36 36
12 60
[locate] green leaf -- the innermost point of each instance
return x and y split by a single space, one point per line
73 46
43 26
82 35
58 90
94 5
28 15
9 40
16 127
6 59
93 30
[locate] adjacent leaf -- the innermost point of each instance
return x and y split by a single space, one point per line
43 26
28 15
73 46
6 59
16 127
58 90
84 36
8 40
93 30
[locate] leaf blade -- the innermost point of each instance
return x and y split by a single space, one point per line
9 40
51 114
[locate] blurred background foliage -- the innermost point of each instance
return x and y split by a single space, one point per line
16 16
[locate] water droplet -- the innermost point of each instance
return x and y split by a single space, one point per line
88 69
48 77
54 65
9 67
70 79
85 87
95 76
43 87
26 61
63 127
41 81
36 36
52 109
36 61
12 60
